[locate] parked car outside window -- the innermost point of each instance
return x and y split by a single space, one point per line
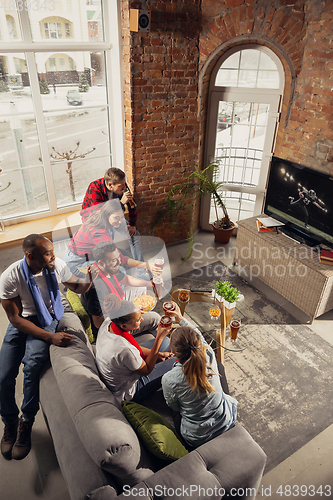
225 120
74 98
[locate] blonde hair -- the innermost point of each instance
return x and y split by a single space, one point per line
186 345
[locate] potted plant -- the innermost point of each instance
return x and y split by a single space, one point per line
228 296
198 184
225 292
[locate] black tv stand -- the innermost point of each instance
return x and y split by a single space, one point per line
299 236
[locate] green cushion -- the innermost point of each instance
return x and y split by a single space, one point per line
156 433
77 306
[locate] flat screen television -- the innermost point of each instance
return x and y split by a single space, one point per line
302 199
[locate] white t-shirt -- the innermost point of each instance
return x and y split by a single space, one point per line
12 284
117 359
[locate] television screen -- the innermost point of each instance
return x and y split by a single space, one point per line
302 199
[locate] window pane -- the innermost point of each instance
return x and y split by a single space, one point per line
75 108
58 21
81 71
232 62
71 179
247 78
23 187
266 62
268 79
227 78
239 205
249 59
240 140
256 70
76 117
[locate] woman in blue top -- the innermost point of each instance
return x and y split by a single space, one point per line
193 387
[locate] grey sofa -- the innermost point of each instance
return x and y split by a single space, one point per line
102 458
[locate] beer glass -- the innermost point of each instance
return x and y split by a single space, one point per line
234 327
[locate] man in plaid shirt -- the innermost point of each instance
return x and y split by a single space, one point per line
113 185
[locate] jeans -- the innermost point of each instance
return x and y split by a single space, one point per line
18 347
134 241
74 261
148 384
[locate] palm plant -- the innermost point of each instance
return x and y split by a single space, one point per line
208 185
199 183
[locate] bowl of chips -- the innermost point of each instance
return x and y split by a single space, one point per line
146 302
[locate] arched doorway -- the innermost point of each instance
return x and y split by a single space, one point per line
245 97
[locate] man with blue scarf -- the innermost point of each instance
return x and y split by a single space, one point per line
30 296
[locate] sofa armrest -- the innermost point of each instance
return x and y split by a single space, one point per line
101 426
232 462
81 474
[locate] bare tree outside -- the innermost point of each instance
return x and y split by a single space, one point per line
69 157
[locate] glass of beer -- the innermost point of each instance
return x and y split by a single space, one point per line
183 296
157 283
166 321
168 308
234 327
159 262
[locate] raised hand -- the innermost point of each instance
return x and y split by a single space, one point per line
126 197
162 356
92 272
177 312
163 331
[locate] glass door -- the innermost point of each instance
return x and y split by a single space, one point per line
241 132
246 89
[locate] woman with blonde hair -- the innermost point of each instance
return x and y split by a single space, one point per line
193 387
130 370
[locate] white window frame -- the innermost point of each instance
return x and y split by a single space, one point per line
112 46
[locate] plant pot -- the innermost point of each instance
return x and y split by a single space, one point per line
229 308
222 235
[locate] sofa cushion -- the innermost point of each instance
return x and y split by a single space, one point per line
77 306
155 432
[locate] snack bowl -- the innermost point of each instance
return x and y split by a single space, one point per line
146 302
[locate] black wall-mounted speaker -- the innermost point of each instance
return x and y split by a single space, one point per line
139 20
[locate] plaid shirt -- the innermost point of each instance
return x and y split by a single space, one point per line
97 193
84 241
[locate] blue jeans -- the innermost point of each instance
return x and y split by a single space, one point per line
134 241
148 384
18 347
74 261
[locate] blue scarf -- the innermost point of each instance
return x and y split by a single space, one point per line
44 317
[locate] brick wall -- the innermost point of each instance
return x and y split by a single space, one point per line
161 89
167 74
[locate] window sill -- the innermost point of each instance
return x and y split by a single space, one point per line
55 227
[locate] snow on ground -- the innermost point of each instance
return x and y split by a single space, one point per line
52 102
